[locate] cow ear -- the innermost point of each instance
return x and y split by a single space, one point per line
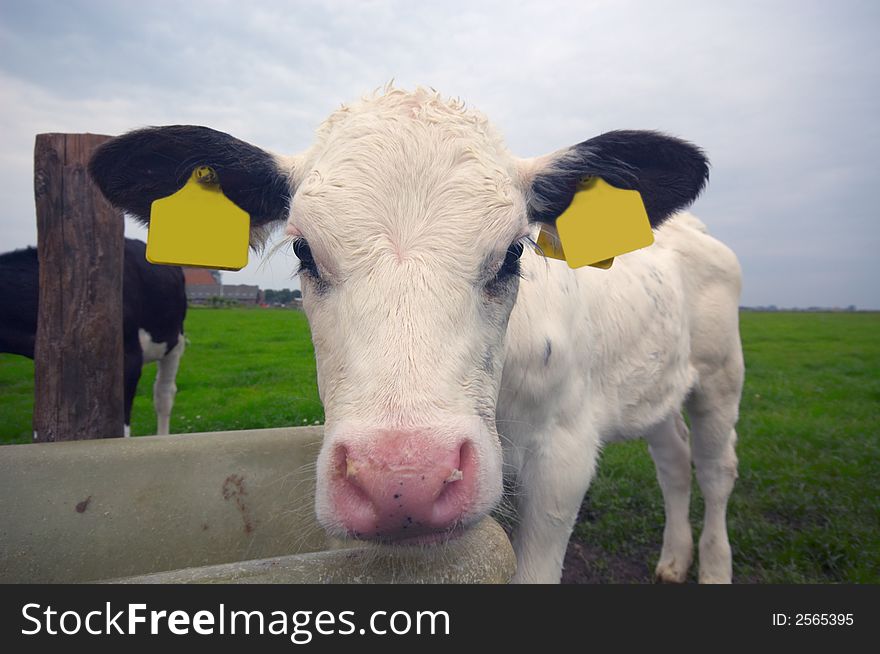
139 167
668 173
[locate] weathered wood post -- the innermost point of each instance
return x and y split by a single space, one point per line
78 362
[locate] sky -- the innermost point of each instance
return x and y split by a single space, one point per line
783 96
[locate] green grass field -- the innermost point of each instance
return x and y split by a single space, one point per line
242 369
806 508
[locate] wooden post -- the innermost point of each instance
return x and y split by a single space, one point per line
78 361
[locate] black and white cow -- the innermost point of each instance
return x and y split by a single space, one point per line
154 307
449 353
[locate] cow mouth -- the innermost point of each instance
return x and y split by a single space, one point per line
425 539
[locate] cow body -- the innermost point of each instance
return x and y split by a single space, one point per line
154 308
451 354
597 356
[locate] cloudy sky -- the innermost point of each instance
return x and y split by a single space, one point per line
784 96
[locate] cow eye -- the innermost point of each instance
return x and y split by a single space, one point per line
499 285
304 253
511 260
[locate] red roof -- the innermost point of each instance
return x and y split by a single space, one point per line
199 276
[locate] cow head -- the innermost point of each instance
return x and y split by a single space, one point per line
409 217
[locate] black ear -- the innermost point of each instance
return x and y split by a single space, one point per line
668 173
134 169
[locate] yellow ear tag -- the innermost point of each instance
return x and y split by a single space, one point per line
601 223
199 226
548 243
549 246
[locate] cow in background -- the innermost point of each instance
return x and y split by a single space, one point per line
154 308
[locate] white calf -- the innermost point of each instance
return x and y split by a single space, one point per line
444 342
596 356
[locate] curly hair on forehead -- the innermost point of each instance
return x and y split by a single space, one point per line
423 105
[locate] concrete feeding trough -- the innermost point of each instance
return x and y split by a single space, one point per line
220 507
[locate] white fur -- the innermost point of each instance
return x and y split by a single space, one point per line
164 388
152 351
628 347
409 204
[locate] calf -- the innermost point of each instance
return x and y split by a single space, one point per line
154 307
450 354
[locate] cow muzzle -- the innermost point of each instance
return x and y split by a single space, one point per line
402 486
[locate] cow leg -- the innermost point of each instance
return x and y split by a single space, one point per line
713 408
165 387
134 363
671 452
554 477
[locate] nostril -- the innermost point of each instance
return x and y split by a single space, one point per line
467 464
455 475
349 486
345 466
455 496
340 462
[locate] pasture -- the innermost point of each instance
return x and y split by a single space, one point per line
806 507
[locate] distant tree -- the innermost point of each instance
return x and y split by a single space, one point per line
284 296
297 294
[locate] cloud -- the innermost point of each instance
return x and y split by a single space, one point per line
783 96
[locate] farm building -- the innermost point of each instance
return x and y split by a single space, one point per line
203 286
242 293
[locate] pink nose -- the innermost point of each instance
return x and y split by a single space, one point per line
402 485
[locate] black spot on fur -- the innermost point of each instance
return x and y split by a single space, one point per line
548 350
488 362
668 172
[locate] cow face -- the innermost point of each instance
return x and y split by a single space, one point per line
409 218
